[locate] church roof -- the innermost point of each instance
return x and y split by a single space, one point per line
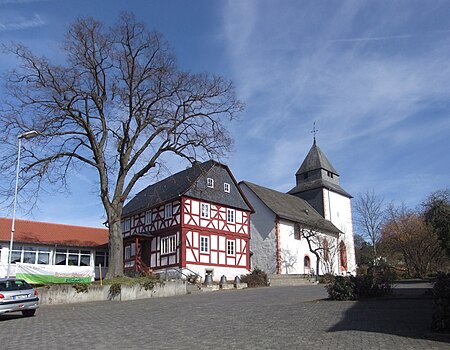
316 159
319 183
292 208
188 182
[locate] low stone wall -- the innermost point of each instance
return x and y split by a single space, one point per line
66 294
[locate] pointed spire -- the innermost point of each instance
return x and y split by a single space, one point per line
314 131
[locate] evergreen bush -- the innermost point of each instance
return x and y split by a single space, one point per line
258 278
441 307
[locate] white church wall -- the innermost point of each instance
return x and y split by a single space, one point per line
338 210
294 251
262 230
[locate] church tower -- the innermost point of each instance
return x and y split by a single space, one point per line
317 182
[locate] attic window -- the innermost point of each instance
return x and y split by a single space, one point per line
226 187
210 182
330 174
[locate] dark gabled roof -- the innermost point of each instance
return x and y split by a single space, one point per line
292 208
188 182
319 183
316 159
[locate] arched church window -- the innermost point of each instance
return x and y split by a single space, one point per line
307 262
343 255
326 250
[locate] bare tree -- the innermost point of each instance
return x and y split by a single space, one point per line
319 245
407 233
118 105
370 212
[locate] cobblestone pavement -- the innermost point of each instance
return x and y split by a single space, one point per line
263 318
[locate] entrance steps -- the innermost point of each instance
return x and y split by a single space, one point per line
290 280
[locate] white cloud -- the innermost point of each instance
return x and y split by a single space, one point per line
364 92
19 22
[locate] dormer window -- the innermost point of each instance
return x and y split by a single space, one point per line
210 182
305 175
226 187
330 174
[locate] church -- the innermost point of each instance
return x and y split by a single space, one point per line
202 221
306 231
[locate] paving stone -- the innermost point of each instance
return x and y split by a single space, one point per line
263 318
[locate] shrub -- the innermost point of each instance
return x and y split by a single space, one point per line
257 278
377 282
441 307
341 288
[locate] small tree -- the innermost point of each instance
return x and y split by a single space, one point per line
118 105
437 214
319 245
407 233
369 216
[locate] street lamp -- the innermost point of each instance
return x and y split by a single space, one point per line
26 135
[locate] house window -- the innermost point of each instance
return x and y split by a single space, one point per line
127 252
30 255
73 257
168 244
148 217
126 224
210 182
230 247
205 210
204 244
226 187
101 257
230 216
168 211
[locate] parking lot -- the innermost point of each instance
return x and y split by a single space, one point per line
263 318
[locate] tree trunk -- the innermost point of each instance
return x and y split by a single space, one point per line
115 250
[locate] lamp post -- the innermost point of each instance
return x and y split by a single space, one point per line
26 135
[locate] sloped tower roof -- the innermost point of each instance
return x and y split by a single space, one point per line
316 159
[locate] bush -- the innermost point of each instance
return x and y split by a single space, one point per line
341 288
441 307
257 278
377 282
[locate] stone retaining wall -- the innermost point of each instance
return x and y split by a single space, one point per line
67 294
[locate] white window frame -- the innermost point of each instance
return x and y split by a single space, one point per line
68 252
231 216
205 210
168 244
35 250
226 187
148 217
126 224
204 244
168 211
231 247
210 182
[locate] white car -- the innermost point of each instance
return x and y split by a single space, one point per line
16 295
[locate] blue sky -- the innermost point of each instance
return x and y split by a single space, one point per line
373 75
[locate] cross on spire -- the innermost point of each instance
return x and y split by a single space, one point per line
314 131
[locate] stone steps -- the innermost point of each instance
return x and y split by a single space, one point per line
290 280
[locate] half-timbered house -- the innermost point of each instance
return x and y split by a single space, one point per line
195 221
